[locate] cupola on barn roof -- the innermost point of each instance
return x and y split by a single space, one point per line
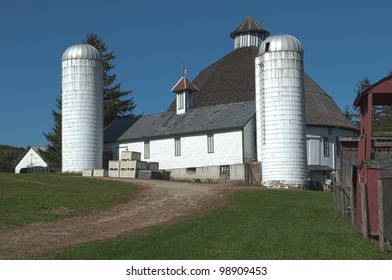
81 51
184 84
249 25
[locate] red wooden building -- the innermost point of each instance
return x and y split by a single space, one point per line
372 149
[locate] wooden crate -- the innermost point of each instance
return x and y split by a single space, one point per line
128 165
144 174
156 174
87 172
100 173
114 164
142 165
130 155
115 173
127 174
153 166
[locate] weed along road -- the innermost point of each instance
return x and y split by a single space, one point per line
159 202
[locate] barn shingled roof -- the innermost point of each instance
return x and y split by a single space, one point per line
231 79
169 124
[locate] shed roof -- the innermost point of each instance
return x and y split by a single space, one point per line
232 79
169 124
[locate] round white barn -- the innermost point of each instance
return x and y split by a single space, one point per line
280 112
82 109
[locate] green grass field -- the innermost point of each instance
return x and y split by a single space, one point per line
28 198
264 224
256 224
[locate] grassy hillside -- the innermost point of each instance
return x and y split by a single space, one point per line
257 224
264 224
8 156
27 198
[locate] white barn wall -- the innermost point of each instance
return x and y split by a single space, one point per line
30 159
227 150
230 148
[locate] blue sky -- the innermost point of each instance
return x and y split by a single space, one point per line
344 41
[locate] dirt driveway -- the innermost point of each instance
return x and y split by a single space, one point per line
159 202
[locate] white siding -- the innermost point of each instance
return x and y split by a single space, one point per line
227 150
30 159
315 148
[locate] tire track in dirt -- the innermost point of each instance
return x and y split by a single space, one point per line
159 202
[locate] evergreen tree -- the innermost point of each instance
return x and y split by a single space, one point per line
363 84
53 153
348 113
117 102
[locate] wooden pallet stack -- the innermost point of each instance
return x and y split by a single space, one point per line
131 166
130 163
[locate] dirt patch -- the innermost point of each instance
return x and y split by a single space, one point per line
159 202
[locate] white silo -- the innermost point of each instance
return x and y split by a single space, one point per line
280 112
82 108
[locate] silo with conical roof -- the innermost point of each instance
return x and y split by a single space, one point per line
82 108
280 112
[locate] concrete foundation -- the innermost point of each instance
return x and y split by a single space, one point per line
233 172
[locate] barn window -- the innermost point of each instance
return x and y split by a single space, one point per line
210 143
326 146
177 146
225 171
180 101
146 149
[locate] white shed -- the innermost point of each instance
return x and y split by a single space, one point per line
32 157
